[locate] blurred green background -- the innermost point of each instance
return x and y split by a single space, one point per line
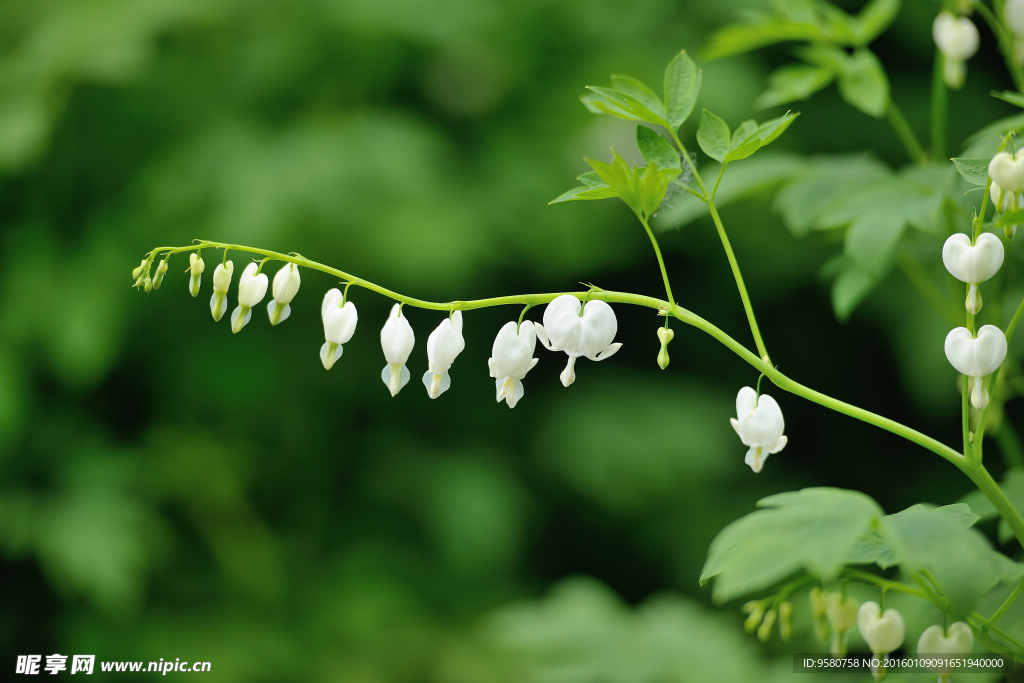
170 490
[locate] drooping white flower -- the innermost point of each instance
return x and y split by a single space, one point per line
972 263
340 320
957 639
397 340
665 335
161 270
957 38
579 331
976 357
252 287
759 424
286 286
443 345
196 266
221 281
1007 171
883 632
511 358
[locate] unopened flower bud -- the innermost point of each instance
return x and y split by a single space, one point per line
286 286
957 38
195 269
147 284
252 287
221 281
665 335
137 273
161 270
764 632
818 606
756 611
786 620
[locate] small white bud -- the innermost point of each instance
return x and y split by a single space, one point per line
252 287
195 268
158 277
221 281
286 286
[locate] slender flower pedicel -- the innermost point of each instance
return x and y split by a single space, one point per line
340 318
397 340
286 286
579 331
511 358
957 39
195 270
252 287
221 281
976 357
972 264
443 345
759 424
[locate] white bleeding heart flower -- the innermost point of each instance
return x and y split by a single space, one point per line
972 264
957 38
956 640
252 287
196 266
221 281
579 331
340 320
1007 171
665 335
1013 12
397 340
443 345
511 358
976 356
883 633
286 286
759 424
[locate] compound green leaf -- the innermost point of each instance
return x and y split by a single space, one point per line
863 83
634 107
813 530
739 38
793 82
639 92
974 171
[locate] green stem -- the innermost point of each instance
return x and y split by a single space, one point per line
1007 604
988 486
1011 328
905 134
709 200
661 261
868 577
940 107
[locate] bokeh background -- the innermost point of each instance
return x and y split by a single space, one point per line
168 489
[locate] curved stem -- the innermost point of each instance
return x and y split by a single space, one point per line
1007 604
1006 40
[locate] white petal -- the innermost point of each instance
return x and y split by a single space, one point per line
746 401
542 335
515 394
755 458
331 300
330 353
597 329
779 445
436 384
608 352
568 375
562 323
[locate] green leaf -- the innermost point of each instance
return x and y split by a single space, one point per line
739 38
974 171
622 179
596 104
744 150
963 563
656 149
682 85
631 105
813 530
875 547
742 133
863 83
653 184
584 192
639 92
849 289
713 136
1011 96
1013 487
874 19
769 131
591 179
793 82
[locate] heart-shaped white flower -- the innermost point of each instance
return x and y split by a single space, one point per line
976 356
956 37
579 331
511 358
973 263
957 640
882 632
1007 171
760 425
